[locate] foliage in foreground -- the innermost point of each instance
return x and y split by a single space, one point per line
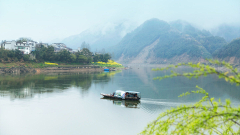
207 116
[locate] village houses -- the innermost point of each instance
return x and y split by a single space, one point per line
25 47
30 46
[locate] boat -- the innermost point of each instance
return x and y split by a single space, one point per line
123 95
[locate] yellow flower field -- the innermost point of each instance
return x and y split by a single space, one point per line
48 63
110 63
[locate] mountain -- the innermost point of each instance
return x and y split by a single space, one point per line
230 52
228 32
210 42
187 28
99 37
156 41
144 35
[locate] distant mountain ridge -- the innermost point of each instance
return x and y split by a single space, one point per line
173 42
155 41
100 37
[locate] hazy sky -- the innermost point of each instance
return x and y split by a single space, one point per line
45 20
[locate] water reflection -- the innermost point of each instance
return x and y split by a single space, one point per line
124 103
140 78
27 85
72 103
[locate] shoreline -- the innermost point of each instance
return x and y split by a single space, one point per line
23 69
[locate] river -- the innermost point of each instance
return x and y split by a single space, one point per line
70 103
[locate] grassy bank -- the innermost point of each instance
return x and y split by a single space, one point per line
36 65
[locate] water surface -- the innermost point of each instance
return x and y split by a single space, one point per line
60 104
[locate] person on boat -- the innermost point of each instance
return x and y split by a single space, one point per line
135 96
113 94
123 95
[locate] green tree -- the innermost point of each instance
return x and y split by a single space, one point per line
26 57
82 59
49 54
86 52
73 58
207 116
64 56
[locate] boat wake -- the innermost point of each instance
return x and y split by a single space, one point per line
162 102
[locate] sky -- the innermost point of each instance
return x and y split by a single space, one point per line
47 20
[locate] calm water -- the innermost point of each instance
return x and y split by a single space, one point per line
60 104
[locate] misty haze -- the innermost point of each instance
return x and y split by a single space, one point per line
118 67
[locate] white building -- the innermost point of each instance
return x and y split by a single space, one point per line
61 46
24 47
9 45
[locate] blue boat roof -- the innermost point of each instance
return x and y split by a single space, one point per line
127 91
132 92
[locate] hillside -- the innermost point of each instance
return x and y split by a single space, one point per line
157 41
187 28
210 42
144 35
230 52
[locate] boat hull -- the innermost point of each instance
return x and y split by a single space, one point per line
113 97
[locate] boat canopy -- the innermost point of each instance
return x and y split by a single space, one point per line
133 92
121 94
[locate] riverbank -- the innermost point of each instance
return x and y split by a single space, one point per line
33 67
59 69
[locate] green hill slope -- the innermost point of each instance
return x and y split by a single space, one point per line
144 35
230 50
210 42
175 44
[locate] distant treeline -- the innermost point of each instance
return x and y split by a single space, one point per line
43 54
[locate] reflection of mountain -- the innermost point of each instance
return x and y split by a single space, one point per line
141 79
23 86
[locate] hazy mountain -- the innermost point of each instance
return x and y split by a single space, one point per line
210 42
99 37
228 32
144 35
187 28
157 41
230 52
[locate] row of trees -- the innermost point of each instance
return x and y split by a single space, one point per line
83 56
12 56
43 53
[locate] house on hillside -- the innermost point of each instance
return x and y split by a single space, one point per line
8 45
61 46
25 47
